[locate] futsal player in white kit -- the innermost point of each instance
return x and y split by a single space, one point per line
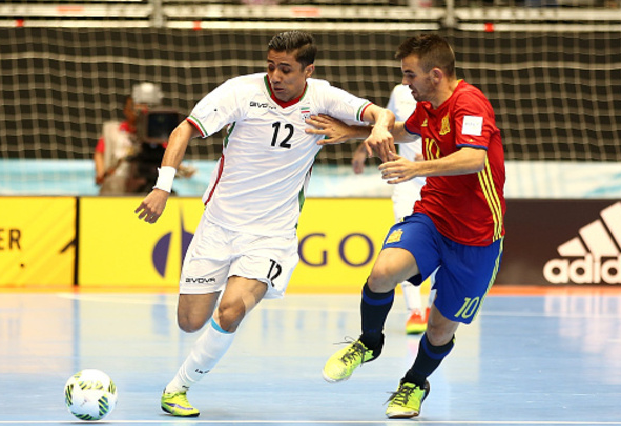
404 195
245 246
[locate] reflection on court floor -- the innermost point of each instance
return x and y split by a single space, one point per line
538 360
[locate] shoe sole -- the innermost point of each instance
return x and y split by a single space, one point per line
178 415
402 416
331 380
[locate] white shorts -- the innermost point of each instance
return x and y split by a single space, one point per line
216 253
404 195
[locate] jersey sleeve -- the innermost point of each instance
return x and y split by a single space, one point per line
474 121
343 105
101 145
218 108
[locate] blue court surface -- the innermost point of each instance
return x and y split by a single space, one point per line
547 359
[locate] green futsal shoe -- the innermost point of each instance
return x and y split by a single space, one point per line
342 364
177 404
406 401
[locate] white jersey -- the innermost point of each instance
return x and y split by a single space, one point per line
405 194
259 184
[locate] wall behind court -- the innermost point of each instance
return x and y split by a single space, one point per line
548 242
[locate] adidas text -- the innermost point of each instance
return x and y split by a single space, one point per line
587 270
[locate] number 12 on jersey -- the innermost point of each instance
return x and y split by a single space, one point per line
285 142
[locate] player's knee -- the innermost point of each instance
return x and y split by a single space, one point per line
441 332
381 280
190 325
230 316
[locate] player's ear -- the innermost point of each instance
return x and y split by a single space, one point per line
436 75
309 70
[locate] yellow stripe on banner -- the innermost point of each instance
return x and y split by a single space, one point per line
117 249
338 243
37 241
339 240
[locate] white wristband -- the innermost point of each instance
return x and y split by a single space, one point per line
165 178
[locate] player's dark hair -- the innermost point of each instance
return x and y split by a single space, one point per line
300 43
432 50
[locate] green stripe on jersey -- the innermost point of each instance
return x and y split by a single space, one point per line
359 112
197 121
229 130
267 85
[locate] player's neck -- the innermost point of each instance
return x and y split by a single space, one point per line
445 91
285 104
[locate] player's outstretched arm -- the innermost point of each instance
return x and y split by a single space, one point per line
334 130
464 161
154 203
381 140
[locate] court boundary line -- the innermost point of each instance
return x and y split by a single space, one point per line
496 290
105 298
343 422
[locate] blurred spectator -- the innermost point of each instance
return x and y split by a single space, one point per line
120 154
118 141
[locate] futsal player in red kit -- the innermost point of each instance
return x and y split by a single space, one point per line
456 229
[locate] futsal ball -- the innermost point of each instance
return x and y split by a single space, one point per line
90 395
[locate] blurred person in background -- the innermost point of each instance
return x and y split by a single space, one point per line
119 141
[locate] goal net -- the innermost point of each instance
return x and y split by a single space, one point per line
555 92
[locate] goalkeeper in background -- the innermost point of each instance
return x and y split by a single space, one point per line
457 228
404 195
245 247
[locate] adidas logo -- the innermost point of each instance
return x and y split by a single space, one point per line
594 257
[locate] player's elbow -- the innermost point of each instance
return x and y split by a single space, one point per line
473 159
478 166
183 133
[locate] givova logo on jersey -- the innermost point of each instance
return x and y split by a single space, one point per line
592 257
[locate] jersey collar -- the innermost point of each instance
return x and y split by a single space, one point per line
278 101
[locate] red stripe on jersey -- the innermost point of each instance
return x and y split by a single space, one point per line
220 170
363 110
196 126
101 145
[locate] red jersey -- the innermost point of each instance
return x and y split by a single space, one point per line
468 209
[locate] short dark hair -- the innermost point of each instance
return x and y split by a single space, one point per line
303 44
432 50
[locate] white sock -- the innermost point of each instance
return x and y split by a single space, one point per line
412 296
205 354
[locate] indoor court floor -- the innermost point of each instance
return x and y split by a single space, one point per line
540 358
